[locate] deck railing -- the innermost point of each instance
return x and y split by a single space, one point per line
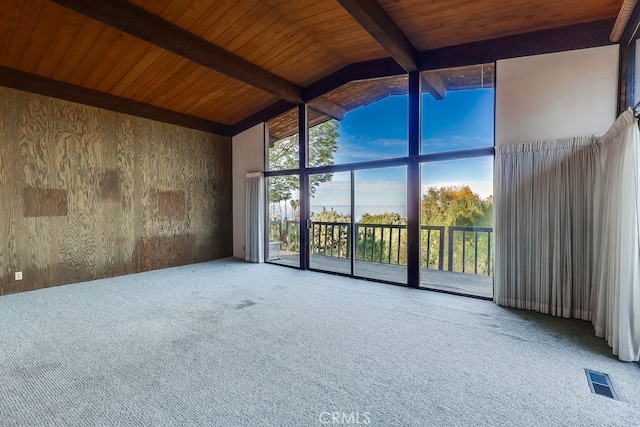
465 249
476 236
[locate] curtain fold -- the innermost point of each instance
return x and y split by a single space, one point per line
567 227
617 290
543 193
254 217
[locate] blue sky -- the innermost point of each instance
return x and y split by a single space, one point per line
463 120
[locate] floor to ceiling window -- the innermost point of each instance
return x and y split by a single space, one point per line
381 224
456 225
357 175
283 190
331 236
370 123
358 202
456 200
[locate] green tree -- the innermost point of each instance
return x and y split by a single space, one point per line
391 218
330 216
323 144
382 244
456 206
330 233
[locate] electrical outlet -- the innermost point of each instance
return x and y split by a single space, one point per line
18 275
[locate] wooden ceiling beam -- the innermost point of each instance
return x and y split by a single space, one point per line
139 23
375 20
579 36
264 115
432 83
328 108
361 71
20 80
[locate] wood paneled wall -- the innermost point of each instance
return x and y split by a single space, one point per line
87 193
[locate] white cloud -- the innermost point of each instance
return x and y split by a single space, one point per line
458 141
353 149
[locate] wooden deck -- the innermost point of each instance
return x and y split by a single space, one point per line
462 283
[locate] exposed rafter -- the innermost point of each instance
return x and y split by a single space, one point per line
435 86
580 36
328 108
45 86
361 71
373 18
138 22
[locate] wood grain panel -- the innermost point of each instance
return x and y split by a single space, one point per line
136 73
200 14
332 26
462 21
227 20
111 56
171 205
6 14
243 27
194 86
153 6
125 179
109 184
11 206
23 21
163 70
67 46
95 53
48 22
76 35
246 26
300 41
128 65
262 23
45 202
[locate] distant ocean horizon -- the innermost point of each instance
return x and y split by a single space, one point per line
360 210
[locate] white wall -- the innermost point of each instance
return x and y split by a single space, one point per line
556 95
248 156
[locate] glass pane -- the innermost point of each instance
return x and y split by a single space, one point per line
330 234
360 121
283 145
456 226
381 224
463 119
284 220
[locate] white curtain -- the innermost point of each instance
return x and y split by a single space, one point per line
616 314
566 227
543 209
254 218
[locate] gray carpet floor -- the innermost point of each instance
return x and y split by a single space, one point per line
227 343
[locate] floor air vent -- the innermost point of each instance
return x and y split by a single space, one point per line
600 384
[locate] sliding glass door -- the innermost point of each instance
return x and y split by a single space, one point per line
330 233
380 226
283 246
338 194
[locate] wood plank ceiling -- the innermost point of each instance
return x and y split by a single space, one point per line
224 61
